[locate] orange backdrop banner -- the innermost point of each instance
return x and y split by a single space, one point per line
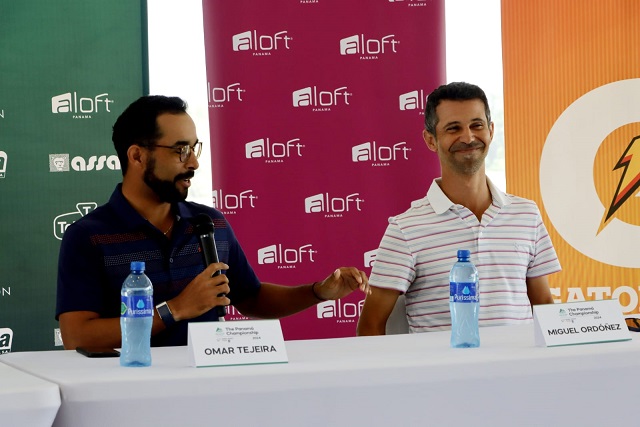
572 135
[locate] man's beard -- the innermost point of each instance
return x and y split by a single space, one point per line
467 166
167 191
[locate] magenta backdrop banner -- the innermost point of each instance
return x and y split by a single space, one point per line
316 111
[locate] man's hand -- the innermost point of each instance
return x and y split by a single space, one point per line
201 295
341 283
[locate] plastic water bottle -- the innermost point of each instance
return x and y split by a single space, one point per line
464 302
136 317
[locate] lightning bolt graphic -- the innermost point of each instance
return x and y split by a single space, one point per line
630 179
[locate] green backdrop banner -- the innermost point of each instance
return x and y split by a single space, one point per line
67 70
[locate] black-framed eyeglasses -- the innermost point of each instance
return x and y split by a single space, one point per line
184 150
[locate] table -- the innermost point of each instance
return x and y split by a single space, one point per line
399 380
26 400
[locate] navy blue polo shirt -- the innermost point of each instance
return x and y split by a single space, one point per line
97 250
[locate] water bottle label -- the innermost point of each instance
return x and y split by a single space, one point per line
136 306
463 292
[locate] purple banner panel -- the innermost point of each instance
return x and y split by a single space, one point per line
316 112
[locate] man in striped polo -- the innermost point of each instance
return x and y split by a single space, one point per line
463 209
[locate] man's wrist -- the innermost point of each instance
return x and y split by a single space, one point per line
164 311
315 294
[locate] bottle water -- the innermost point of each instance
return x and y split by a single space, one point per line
464 302
136 317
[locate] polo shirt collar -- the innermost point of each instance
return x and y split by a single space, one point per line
441 203
132 218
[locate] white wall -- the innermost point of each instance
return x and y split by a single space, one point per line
177 67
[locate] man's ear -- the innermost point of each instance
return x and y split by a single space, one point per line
136 155
430 140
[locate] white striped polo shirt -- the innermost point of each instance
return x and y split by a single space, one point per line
420 246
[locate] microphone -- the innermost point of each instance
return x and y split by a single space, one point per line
204 229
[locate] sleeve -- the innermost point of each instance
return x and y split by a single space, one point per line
79 283
243 281
394 266
545 260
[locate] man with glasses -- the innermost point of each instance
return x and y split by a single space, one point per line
148 219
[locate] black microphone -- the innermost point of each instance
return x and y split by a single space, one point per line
204 229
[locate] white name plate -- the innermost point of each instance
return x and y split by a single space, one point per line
243 342
579 323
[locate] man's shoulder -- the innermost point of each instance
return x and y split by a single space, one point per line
417 208
191 209
520 203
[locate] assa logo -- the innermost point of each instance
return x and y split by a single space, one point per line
368 48
6 338
261 45
81 108
344 312
273 152
60 163
3 163
229 203
333 207
415 100
221 95
320 100
285 258
61 222
379 155
369 258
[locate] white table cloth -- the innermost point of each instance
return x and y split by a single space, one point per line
400 380
26 400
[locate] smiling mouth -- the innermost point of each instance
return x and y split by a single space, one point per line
467 148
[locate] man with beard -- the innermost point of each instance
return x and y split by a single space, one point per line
509 244
147 219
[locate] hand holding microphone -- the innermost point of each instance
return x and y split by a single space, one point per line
204 229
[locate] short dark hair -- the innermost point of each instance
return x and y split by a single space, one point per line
138 124
456 91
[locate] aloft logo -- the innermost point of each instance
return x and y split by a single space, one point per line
411 3
62 222
321 100
60 163
379 155
602 182
333 207
6 338
342 312
368 48
80 107
273 151
369 258
284 257
3 163
260 45
217 97
414 100
229 203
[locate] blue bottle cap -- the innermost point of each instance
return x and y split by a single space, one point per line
463 253
137 265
